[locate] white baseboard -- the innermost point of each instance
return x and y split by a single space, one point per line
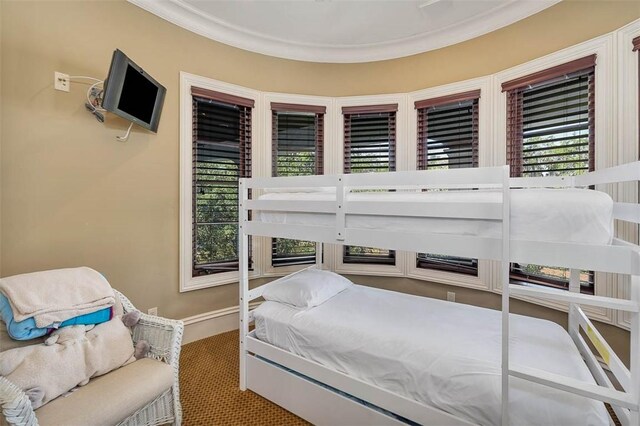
211 323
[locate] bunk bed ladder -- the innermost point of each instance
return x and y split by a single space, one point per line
625 402
576 317
505 270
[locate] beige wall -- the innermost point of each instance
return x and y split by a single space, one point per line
72 195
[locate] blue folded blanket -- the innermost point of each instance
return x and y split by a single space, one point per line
26 330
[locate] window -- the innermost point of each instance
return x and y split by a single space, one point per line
447 139
550 132
221 152
297 150
369 146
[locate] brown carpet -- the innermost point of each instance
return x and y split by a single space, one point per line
209 387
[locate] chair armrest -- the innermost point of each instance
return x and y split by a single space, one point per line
15 404
163 335
165 339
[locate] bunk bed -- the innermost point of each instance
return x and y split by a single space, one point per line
481 213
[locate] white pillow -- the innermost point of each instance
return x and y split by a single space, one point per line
306 289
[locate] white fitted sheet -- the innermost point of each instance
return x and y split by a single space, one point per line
443 354
552 215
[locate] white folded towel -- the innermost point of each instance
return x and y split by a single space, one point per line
54 296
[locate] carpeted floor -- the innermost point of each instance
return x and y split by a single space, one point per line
209 388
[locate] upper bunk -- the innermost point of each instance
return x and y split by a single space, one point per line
559 221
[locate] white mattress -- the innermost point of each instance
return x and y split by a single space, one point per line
552 215
439 353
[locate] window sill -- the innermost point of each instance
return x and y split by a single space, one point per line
447 277
213 280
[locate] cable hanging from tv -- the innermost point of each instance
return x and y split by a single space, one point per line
94 102
94 96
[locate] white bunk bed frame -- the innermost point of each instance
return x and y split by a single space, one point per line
314 400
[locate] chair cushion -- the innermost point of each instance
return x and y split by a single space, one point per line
109 399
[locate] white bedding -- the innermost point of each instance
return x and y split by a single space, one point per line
552 215
439 353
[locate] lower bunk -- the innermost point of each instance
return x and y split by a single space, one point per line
422 360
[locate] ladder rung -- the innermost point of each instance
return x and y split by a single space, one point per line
582 299
575 386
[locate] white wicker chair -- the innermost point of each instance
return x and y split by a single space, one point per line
165 339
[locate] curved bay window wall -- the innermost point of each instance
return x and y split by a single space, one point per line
542 118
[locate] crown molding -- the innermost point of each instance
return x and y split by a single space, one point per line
184 15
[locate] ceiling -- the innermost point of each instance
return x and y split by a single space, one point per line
340 30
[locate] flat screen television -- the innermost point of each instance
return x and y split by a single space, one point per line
133 94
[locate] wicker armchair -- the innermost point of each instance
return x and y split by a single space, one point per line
164 337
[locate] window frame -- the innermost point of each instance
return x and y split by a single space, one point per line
515 90
188 81
605 131
628 73
360 112
268 270
397 269
422 107
318 113
484 84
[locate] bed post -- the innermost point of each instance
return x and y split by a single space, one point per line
319 255
574 287
243 282
634 359
505 269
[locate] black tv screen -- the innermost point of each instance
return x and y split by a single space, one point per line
132 93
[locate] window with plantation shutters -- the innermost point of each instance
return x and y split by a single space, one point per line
369 146
297 150
551 132
448 139
221 155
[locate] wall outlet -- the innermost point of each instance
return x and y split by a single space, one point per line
451 296
61 81
153 311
